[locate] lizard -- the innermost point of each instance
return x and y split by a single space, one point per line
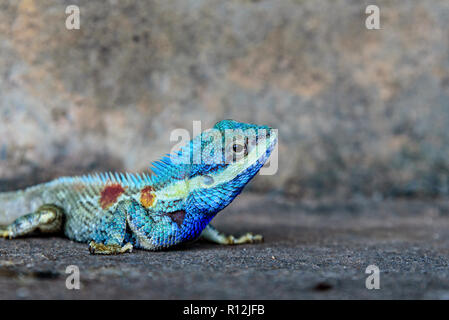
116 212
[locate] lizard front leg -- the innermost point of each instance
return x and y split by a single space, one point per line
213 235
147 230
47 219
152 230
109 236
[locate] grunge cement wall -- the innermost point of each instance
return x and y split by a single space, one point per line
359 112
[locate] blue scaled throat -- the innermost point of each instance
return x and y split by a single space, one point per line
116 212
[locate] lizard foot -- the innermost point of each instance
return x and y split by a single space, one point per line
213 235
246 238
4 233
100 248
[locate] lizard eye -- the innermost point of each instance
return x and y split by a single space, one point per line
208 180
237 148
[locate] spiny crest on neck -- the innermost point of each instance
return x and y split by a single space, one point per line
124 179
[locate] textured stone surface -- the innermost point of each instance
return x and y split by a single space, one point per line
358 111
311 251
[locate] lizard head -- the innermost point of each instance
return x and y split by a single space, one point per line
231 155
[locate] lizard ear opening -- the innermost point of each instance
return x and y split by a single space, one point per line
208 180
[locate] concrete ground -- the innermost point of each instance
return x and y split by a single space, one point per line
311 251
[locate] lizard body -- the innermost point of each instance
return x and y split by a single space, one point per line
115 212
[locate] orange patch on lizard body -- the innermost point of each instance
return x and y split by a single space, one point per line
147 197
110 194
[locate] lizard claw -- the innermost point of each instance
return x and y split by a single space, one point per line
4 233
246 238
100 248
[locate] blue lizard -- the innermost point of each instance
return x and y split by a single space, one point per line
117 212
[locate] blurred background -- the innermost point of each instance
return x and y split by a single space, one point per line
360 113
